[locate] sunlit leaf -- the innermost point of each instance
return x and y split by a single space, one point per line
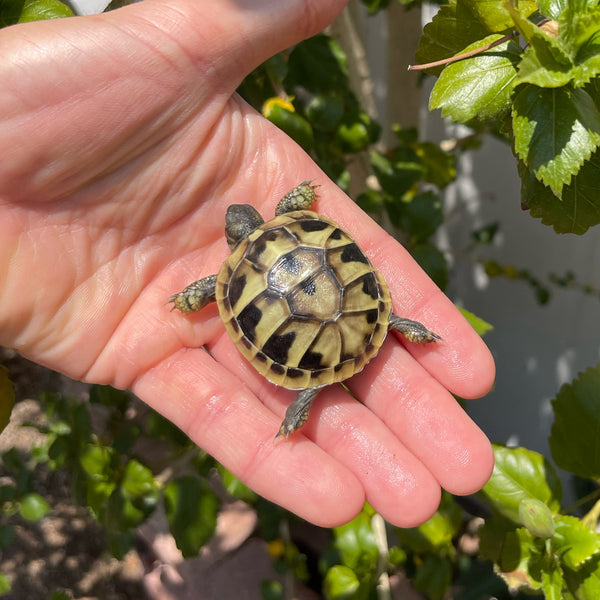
477 323
341 583
556 131
356 543
478 87
574 542
520 474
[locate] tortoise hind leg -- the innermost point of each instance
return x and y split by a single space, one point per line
297 412
413 331
299 198
196 295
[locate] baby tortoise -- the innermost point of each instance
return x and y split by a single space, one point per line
300 299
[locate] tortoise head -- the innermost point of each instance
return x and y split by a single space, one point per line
240 221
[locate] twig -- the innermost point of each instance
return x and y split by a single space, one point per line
469 54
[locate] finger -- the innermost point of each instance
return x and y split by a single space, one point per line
223 417
396 483
428 420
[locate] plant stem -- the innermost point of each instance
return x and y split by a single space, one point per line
384 591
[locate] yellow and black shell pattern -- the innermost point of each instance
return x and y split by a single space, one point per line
302 301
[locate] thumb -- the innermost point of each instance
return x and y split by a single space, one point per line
229 38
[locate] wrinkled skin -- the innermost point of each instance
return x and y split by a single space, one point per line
123 144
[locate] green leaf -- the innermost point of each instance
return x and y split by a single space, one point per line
552 8
553 583
539 68
579 35
371 201
545 62
318 65
492 535
271 589
5 585
574 542
325 111
556 131
440 166
477 323
107 395
191 508
436 533
574 440
357 545
22 11
521 561
579 208
485 234
99 462
433 262
296 126
234 486
158 426
120 543
33 507
453 28
138 480
7 397
434 576
356 131
341 583
421 216
520 474
494 14
133 499
396 177
478 87
583 583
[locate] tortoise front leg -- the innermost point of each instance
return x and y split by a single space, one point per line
300 198
413 331
297 412
196 295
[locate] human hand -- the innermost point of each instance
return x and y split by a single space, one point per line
124 144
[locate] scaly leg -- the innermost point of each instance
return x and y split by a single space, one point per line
300 198
196 295
297 412
413 331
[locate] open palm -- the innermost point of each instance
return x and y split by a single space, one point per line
123 144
